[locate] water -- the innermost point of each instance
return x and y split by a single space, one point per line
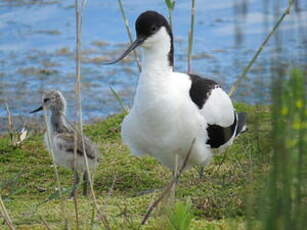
37 42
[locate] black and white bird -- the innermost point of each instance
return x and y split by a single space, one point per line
171 109
61 140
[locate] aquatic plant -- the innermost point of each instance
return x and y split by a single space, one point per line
170 6
282 204
191 33
180 217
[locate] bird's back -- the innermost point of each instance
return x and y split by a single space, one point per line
214 104
65 146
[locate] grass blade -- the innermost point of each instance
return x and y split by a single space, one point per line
119 99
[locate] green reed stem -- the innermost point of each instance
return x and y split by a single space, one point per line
282 202
170 7
122 11
119 99
191 35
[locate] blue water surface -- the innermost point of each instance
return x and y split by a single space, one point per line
37 45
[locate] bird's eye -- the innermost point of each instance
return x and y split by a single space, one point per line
153 28
46 100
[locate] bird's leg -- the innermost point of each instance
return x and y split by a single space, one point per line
201 171
173 189
170 199
76 181
85 183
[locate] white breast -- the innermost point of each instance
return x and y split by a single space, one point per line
163 121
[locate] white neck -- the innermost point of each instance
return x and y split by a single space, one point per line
156 70
156 50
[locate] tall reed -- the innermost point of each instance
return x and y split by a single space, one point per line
191 34
283 202
260 49
122 11
170 7
79 6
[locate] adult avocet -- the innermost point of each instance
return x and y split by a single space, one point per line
171 109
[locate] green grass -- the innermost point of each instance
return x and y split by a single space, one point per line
218 199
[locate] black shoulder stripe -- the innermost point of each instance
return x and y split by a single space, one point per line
201 89
242 117
219 135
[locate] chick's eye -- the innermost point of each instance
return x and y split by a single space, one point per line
46 100
153 29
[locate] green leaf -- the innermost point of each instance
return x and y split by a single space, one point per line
181 217
170 4
120 100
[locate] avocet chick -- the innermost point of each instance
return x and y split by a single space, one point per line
62 140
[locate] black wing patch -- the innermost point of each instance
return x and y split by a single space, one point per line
68 145
201 89
219 135
79 152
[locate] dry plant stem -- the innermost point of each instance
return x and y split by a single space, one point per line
78 82
191 33
76 203
122 11
78 92
74 190
4 213
51 153
112 186
169 186
45 223
10 123
247 68
173 189
93 215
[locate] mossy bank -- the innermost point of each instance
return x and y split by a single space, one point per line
219 197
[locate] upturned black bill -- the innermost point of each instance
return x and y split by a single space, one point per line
37 110
136 43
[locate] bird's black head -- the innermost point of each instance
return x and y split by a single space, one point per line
147 25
